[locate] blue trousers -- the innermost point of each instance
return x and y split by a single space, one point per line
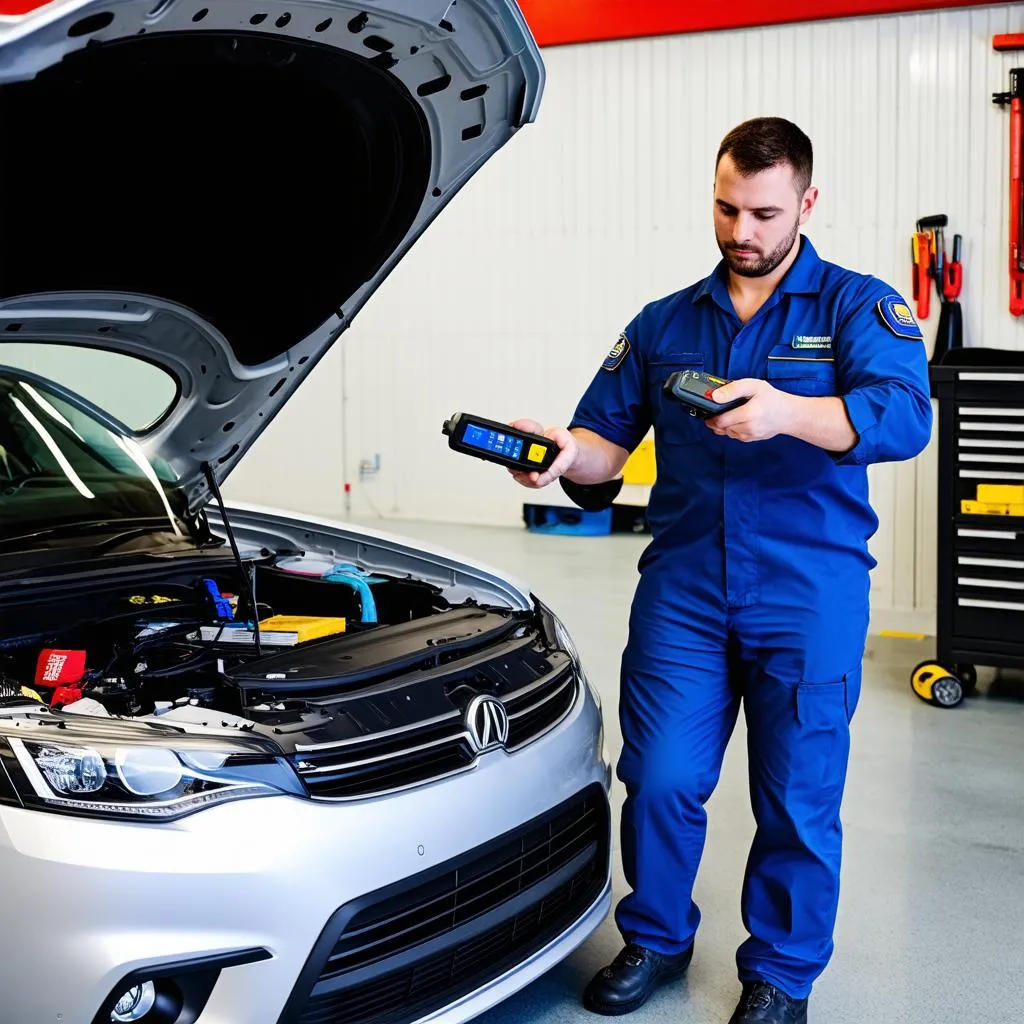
690 663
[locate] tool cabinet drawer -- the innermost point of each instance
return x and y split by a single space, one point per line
977 573
997 536
1005 419
989 615
989 442
986 386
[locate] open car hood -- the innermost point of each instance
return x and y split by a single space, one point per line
219 189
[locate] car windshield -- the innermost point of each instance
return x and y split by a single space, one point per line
65 464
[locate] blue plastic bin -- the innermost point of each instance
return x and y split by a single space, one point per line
574 521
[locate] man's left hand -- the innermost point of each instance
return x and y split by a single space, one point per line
766 412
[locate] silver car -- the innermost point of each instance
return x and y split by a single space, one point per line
255 767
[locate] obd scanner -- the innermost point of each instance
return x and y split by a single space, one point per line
533 453
497 442
694 388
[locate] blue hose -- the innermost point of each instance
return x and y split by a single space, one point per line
359 580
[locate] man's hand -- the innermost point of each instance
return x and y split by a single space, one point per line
823 422
767 411
569 450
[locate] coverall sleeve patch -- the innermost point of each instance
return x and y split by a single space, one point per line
896 315
619 351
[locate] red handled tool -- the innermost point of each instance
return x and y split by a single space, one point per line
929 252
1015 99
921 253
953 281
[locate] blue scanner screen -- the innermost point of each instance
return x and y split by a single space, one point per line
492 441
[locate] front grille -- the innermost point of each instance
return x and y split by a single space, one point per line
383 763
404 954
539 707
413 755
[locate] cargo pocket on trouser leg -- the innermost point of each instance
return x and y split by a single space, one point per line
823 714
814 801
799 762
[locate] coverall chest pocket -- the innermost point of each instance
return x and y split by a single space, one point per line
810 373
673 421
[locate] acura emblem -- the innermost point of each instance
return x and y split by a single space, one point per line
487 722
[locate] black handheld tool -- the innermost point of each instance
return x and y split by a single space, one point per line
950 334
694 388
498 442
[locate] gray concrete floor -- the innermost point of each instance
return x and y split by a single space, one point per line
931 922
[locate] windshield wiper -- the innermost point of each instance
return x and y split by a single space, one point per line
140 527
141 531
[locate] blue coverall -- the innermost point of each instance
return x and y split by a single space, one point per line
755 588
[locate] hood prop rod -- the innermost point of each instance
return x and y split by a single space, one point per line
250 586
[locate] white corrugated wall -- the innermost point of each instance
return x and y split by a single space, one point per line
513 297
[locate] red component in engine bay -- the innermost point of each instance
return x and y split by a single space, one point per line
66 695
59 668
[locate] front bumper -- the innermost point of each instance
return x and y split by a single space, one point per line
97 901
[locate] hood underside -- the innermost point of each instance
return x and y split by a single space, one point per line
220 189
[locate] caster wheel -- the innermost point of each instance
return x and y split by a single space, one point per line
968 676
934 685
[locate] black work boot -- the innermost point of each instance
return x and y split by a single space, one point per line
762 1003
627 983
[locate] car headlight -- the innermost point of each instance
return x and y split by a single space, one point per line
562 638
141 781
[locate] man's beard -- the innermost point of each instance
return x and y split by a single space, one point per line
764 264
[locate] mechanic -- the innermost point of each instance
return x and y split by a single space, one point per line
754 587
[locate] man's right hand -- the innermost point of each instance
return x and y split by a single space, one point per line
568 453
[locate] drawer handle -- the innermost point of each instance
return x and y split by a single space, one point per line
979 457
990 376
994 563
984 474
968 581
985 442
987 534
977 602
1006 428
982 410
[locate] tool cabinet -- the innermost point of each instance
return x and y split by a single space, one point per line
980 581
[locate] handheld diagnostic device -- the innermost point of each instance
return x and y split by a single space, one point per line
498 442
694 388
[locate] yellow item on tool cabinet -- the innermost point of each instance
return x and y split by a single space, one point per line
1009 494
995 500
990 508
640 466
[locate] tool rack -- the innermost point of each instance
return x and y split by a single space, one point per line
980 578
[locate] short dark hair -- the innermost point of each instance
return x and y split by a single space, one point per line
763 142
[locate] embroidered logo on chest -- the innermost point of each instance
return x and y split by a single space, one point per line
811 341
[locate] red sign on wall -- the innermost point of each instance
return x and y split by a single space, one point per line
556 22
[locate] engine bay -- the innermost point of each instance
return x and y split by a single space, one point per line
183 647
